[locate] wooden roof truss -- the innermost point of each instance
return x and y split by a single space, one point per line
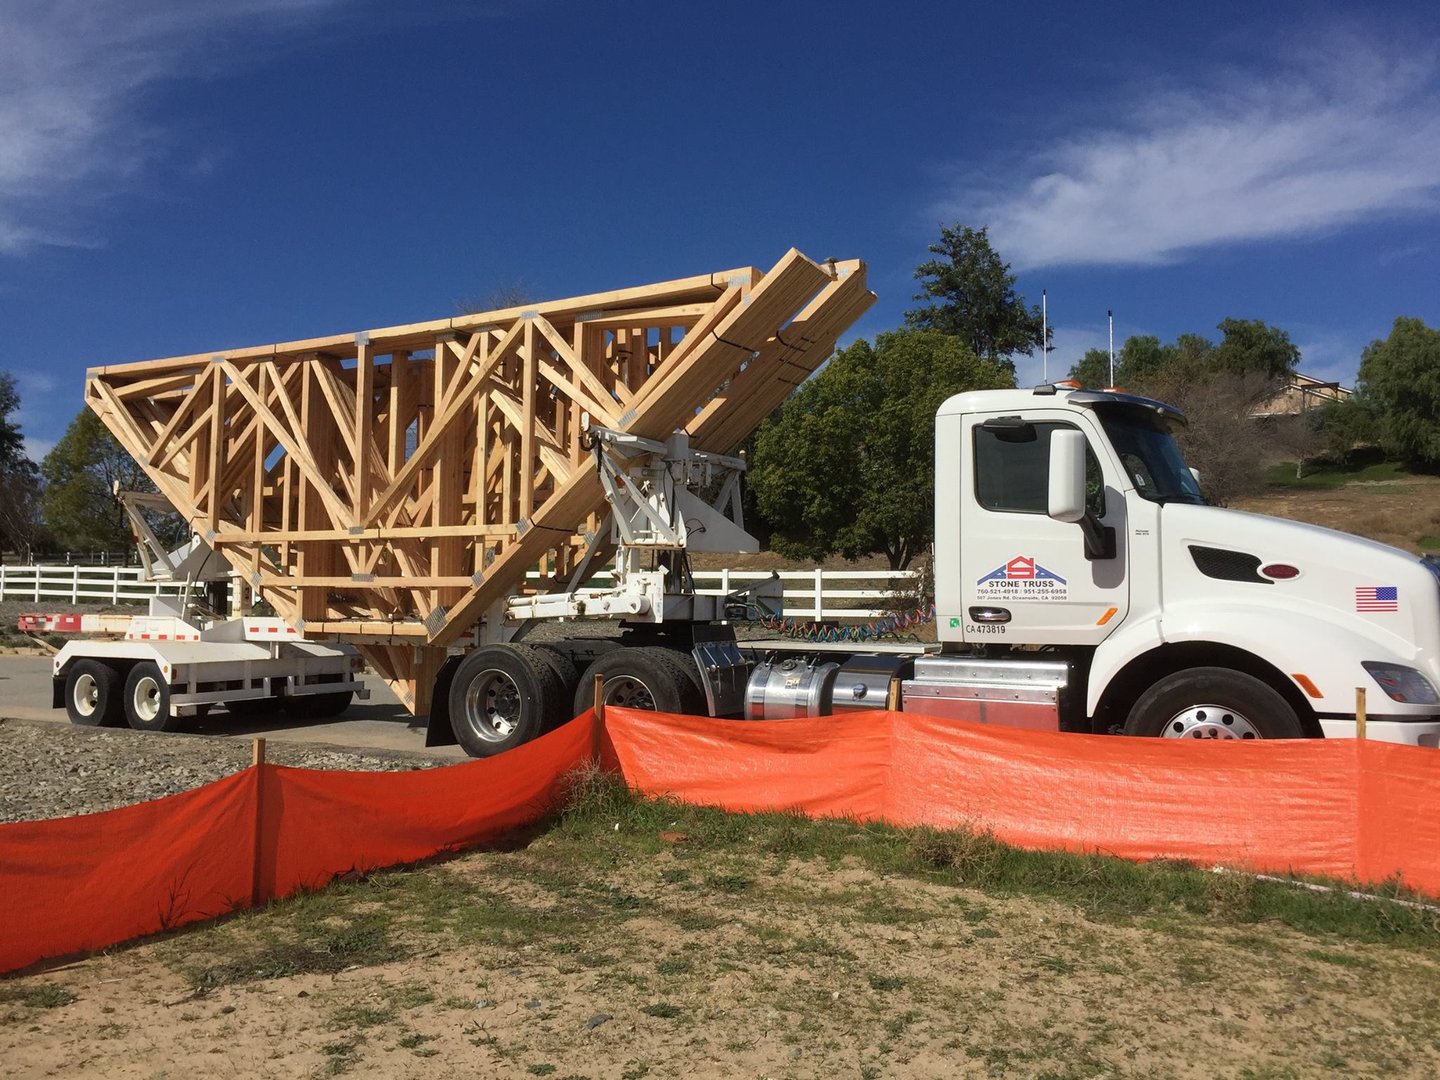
391 486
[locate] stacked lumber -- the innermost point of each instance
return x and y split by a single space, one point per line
391 487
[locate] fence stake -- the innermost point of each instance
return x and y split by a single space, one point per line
819 594
1360 712
257 878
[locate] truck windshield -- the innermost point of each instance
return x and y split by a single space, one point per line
1146 449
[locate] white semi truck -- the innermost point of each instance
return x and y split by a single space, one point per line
1082 584
393 490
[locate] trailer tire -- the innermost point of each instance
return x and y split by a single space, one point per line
1213 703
147 699
646 677
502 696
92 694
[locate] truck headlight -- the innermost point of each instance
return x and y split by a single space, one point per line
1402 683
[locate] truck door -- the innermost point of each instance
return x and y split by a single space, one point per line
1026 578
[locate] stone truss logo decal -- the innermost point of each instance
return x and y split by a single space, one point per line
1022 578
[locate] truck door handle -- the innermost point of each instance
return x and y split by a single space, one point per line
990 614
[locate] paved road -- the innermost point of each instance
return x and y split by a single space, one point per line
379 723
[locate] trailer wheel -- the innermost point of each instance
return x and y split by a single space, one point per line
92 694
1213 703
647 677
502 696
147 699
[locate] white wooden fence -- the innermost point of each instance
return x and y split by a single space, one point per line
80 584
809 594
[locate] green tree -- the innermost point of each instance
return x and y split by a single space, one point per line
847 464
1400 383
974 298
19 479
1138 359
81 473
1247 347
1345 426
1250 347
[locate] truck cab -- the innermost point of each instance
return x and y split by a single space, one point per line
1067 524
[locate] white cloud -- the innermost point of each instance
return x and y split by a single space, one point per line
71 74
1341 136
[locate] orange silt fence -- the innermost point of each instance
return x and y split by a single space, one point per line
1361 811
74 884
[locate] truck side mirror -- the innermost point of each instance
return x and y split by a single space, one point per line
1067 476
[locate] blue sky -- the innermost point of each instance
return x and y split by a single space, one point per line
178 177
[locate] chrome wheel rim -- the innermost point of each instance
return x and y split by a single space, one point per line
492 706
627 692
1210 722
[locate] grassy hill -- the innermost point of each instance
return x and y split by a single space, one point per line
1382 501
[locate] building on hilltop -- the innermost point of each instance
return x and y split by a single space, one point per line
1301 394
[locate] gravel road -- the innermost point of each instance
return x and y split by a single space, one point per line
55 770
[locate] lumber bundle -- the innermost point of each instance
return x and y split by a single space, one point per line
390 487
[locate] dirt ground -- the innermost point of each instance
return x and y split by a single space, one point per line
566 959
571 960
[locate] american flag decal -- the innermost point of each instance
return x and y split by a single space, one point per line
1377 598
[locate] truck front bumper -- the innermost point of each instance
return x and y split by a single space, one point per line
1419 732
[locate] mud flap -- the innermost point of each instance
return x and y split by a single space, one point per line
438 731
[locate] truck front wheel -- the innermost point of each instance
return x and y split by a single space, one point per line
1213 703
92 694
147 699
502 696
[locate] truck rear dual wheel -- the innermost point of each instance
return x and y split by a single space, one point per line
502 696
1213 703
645 677
93 693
